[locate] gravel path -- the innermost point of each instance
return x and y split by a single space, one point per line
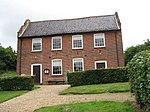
47 95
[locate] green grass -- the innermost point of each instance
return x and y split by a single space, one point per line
8 74
7 95
100 106
98 88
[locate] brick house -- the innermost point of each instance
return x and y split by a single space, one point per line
50 49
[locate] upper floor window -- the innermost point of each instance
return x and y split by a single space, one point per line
37 44
57 67
99 40
78 64
77 42
57 43
100 64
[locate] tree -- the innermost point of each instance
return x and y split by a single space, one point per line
131 51
8 59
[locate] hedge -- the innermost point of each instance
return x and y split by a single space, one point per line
17 83
139 74
98 76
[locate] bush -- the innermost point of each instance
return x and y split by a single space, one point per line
17 83
139 74
99 76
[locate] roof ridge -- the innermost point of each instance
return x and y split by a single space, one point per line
73 18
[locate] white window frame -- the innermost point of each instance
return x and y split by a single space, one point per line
40 71
101 62
74 36
33 41
73 60
102 37
57 37
61 66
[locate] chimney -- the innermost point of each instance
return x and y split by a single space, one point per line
118 20
23 27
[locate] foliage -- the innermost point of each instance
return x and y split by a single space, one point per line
17 83
98 76
98 88
7 95
7 59
139 71
98 106
131 51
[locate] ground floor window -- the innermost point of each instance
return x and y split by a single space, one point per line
57 67
100 64
78 64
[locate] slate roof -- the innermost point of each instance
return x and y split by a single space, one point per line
66 26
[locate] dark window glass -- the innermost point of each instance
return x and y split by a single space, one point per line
100 65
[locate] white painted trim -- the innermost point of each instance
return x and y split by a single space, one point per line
117 22
102 37
73 36
57 38
61 66
40 71
23 30
102 61
73 62
32 45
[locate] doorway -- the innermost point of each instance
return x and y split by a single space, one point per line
36 71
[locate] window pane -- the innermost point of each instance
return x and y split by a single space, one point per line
57 67
57 63
77 41
37 44
78 65
100 65
57 43
99 40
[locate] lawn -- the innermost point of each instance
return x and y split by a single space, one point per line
6 95
8 74
98 88
100 106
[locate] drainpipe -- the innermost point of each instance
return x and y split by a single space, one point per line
117 48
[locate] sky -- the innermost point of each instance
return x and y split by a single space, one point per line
134 16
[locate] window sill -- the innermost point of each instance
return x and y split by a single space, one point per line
77 48
56 74
99 46
56 49
36 51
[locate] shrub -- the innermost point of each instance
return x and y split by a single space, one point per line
17 83
139 74
98 76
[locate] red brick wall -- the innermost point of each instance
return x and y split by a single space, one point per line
89 53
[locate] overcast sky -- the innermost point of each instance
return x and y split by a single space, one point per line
134 16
